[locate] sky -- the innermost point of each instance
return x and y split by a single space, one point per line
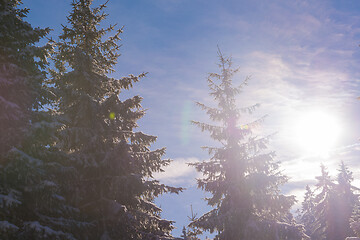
303 58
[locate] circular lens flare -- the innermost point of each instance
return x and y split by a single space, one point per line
112 115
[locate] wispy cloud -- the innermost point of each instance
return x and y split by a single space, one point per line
179 173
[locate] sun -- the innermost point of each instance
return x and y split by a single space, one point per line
316 132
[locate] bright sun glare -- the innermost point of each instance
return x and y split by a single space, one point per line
316 132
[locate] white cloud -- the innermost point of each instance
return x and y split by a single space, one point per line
179 173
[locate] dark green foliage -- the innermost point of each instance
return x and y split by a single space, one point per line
31 206
31 197
114 188
21 75
243 180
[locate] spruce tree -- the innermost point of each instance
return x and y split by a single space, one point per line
307 217
114 188
242 179
21 75
31 205
355 217
330 213
346 200
324 209
192 232
355 221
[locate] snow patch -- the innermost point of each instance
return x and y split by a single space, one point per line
5 226
9 200
44 230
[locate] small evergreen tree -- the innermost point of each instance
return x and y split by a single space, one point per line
242 180
184 234
187 235
192 232
114 188
31 206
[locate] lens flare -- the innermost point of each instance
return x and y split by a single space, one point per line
112 115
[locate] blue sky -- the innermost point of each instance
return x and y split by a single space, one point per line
303 57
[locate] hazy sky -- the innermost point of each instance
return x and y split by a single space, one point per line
303 58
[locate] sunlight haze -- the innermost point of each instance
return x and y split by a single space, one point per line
303 59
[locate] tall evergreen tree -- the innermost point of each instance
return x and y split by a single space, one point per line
21 75
115 188
307 217
31 206
324 210
346 200
355 217
330 213
242 180
355 221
